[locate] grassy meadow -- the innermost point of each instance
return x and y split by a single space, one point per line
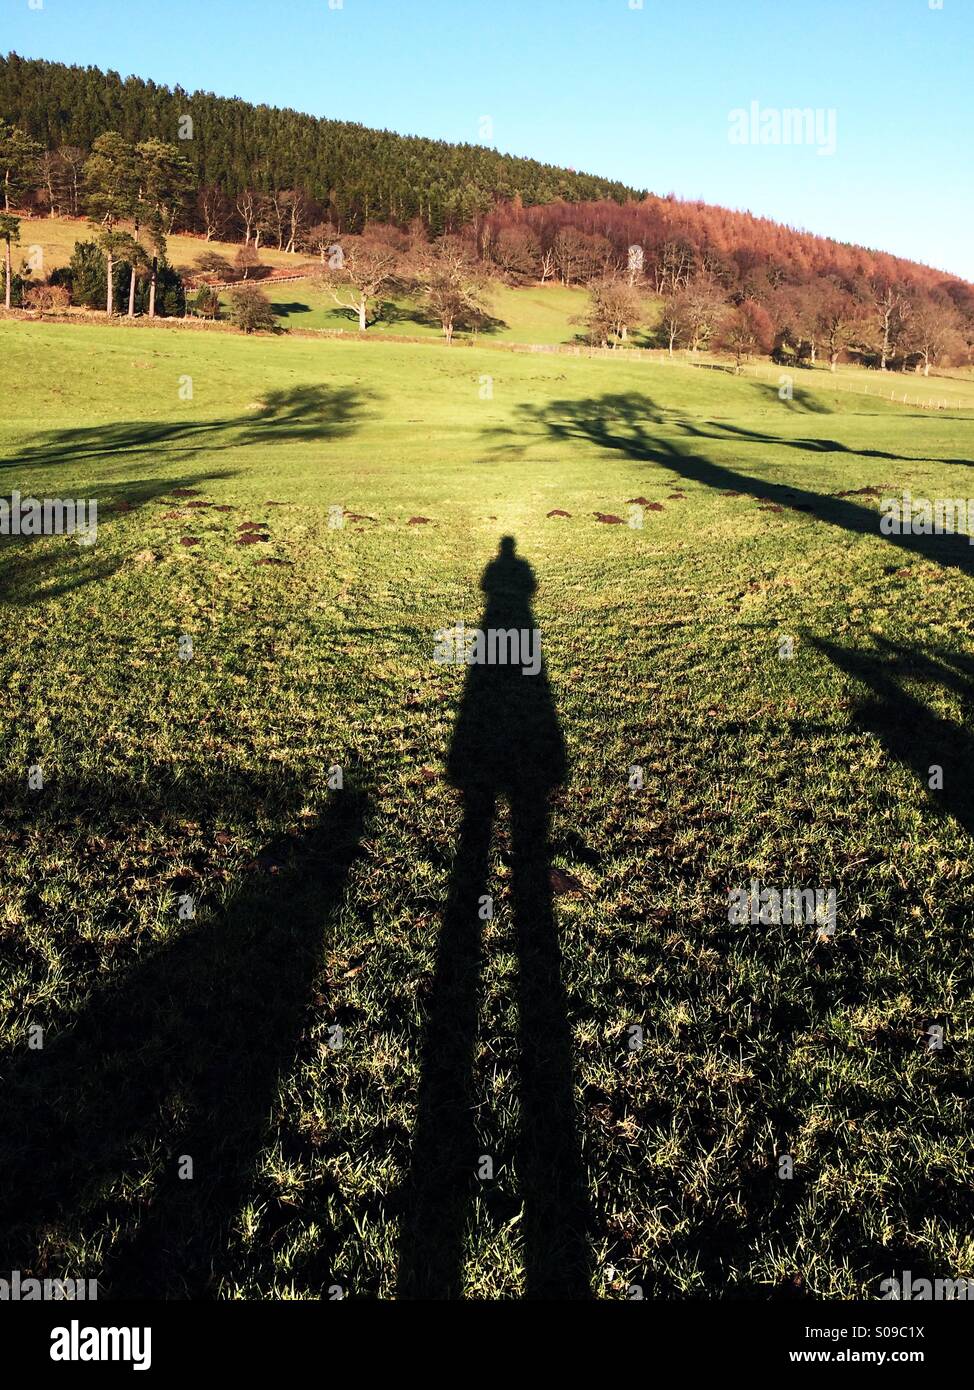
540 315
544 314
337 1037
56 237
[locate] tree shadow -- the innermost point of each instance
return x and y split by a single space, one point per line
910 731
419 316
506 743
30 572
621 421
799 401
35 573
183 1052
297 413
285 311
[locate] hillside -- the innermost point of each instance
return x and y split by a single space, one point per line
354 172
291 182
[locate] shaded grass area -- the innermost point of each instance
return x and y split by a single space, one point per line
318 908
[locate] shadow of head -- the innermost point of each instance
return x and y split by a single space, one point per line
507 738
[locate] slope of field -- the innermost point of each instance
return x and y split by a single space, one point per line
340 1034
542 314
56 236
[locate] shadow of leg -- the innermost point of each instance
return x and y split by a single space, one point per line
445 1148
550 1166
182 1055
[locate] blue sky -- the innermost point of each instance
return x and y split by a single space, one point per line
640 94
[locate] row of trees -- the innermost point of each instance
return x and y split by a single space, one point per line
132 193
444 276
807 296
883 323
801 296
880 323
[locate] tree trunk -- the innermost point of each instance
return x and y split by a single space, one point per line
361 316
132 276
152 287
832 361
6 295
108 296
885 348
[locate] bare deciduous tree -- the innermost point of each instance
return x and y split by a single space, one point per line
891 310
247 205
361 268
744 330
615 310
320 238
451 282
839 317
704 303
294 215
212 211
933 325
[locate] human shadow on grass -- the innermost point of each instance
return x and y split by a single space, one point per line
631 424
293 415
506 743
181 1053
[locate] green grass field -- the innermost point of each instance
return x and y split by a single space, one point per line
543 314
335 1038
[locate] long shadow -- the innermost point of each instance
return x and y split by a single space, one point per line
622 421
182 1053
309 413
909 730
800 401
480 321
506 743
32 573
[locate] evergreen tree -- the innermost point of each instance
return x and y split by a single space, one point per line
111 179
